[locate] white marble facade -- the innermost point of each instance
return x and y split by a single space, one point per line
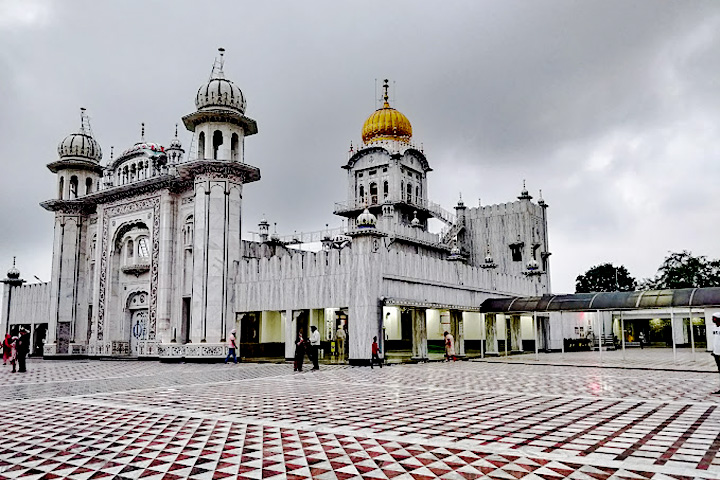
148 259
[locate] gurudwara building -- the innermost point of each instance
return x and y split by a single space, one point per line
148 260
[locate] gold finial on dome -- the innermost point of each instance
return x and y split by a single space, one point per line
386 123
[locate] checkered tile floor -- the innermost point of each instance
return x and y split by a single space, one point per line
452 421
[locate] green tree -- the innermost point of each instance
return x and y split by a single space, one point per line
605 278
683 270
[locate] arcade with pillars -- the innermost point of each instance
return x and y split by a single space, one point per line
415 331
271 334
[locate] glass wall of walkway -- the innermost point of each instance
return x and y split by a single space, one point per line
610 321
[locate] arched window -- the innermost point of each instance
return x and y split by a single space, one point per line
386 189
188 232
402 191
130 251
234 143
61 188
201 145
143 252
73 187
217 141
409 192
133 171
125 174
362 194
417 194
88 186
373 193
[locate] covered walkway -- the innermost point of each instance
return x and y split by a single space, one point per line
605 321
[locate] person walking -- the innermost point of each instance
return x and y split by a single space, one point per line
715 335
314 346
299 351
641 339
375 352
449 346
7 348
22 345
13 353
232 346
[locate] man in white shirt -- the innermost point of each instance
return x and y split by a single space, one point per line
314 346
715 339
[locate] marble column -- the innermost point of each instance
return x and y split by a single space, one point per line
288 322
365 309
491 342
419 335
66 280
515 334
216 253
166 257
457 329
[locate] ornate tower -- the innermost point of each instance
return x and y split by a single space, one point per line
219 127
387 174
78 169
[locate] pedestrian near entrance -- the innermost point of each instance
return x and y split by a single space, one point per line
449 346
232 346
641 339
375 352
715 334
7 348
314 346
341 336
23 347
299 351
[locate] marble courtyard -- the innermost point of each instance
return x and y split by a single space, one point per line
464 420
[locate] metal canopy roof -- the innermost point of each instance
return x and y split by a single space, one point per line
683 297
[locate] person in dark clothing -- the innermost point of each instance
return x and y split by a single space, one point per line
299 351
23 347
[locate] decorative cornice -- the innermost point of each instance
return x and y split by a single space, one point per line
244 172
194 119
78 206
74 162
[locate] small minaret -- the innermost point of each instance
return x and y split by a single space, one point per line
12 280
175 151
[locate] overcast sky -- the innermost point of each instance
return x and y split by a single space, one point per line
612 108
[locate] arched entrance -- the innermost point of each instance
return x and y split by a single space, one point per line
137 308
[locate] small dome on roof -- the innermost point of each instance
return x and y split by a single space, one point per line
366 219
13 273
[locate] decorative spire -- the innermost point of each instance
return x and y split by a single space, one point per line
176 125
142 131
541 202
524 195
217 69
112 152
82 120
385 95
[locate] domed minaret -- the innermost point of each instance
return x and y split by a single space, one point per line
78 167
219 127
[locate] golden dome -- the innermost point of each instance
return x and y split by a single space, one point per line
386 123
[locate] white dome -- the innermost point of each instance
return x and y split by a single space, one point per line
80 145
366 219
220 92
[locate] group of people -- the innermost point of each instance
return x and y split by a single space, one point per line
15 349
310 345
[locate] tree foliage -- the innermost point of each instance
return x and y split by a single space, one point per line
683 270
605 278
